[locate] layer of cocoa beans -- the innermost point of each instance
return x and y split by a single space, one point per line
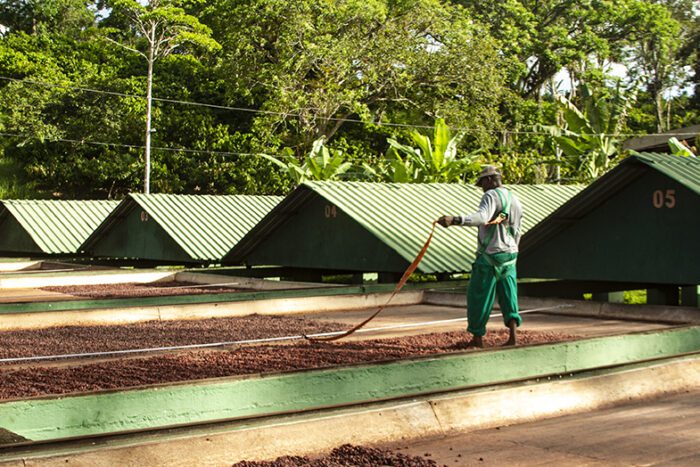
86 376
151 289
149 334
345 456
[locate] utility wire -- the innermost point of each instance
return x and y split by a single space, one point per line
160 148
335 119
202 104
135 146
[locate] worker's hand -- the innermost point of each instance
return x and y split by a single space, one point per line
500 218
445 221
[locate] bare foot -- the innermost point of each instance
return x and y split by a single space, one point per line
477 342
512 340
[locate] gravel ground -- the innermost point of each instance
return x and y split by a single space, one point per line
152 289
347 455
244 360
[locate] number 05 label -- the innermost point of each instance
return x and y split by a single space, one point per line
664 199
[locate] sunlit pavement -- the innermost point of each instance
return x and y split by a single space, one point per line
657 432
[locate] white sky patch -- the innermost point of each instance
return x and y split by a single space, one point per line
617 70
613 70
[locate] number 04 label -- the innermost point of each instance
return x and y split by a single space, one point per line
664 199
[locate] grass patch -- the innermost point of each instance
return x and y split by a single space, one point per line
636 297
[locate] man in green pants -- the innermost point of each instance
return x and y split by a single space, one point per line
493 273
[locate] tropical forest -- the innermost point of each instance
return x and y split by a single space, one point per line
103 98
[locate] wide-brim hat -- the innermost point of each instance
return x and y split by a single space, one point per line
487 171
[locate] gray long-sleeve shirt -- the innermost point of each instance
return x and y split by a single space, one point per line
489 207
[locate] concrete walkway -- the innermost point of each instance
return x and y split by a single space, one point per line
657 432
33 295
396 315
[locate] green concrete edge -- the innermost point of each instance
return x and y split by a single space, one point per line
73 305
72 447
255 396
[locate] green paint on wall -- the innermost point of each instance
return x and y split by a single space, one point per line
58 417
647 233
175 300
15 239
319 233
139 236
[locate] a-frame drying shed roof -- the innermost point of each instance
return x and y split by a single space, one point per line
177 228
49 226
358 226
638 223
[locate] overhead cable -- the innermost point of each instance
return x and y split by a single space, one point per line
334 119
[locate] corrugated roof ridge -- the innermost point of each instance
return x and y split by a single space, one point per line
442 256
149 203
168 211
685 170
59 233
205 238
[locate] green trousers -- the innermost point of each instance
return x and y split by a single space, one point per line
490 278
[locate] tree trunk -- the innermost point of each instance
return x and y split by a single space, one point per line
659 99
656 91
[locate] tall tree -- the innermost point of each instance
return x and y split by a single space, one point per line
56 123
38 16
157 29
542 37
655 55
310 65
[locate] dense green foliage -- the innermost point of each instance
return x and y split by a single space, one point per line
426 160
400 90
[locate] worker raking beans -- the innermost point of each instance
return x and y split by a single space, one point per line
494 270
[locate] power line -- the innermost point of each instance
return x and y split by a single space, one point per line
335 119
202 104
135 146
159 148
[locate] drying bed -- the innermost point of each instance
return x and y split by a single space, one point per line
81 339
83 376
347 455
242 397
151 289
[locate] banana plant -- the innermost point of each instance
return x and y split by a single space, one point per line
426 161
321 163
590 140
679 148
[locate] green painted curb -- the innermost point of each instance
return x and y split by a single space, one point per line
238 397
74 305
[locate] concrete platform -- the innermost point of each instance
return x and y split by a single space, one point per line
475 424
432 314
33 295
652 432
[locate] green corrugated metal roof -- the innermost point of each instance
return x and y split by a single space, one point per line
57 226
685 170
401 215
204 226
